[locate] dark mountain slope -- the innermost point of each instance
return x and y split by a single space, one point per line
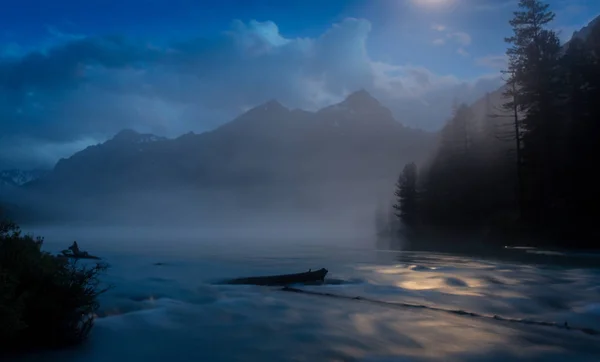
270 155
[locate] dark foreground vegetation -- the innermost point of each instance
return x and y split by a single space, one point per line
45 301
524 170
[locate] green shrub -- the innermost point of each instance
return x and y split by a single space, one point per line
45 301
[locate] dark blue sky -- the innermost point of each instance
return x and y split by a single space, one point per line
396 24
74 72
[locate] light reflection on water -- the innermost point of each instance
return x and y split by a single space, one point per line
175 312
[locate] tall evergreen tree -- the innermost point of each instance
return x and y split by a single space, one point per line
515 134
534 84
553 118
406 195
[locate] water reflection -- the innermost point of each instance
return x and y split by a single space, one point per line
176 313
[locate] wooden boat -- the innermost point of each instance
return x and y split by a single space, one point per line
284 279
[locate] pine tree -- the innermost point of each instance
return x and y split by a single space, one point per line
534 89
406 195
457 134
515 134
552 120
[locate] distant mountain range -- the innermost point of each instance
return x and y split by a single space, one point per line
343 156
20 177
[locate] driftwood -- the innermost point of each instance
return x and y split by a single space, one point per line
73 252
79 256
284 279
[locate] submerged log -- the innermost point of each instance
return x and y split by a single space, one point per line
284 279
73 252
81 256
84 255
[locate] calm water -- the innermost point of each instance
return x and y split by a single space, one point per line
176 312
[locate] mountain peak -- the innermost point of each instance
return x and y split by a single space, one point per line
272 105
130 136
270 108
361 99
126 135
361 93
360 108
585 32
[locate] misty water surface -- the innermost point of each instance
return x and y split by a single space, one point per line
166 303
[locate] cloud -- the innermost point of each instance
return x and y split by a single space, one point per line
70 65
461 51
493 61
460 37
31 153
494 5
416 93
82 90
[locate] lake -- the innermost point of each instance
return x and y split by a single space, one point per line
413 306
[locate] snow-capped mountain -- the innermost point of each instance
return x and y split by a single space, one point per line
17 177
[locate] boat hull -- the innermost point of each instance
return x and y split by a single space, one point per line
284 279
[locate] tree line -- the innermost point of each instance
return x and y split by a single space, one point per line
527 167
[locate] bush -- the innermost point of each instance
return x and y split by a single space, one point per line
45 301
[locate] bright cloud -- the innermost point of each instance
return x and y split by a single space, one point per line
461 51
493 61
460 37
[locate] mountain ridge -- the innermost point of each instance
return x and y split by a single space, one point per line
270 113
19 177
269 155
585 32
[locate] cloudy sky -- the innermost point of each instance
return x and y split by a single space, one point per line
73 73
